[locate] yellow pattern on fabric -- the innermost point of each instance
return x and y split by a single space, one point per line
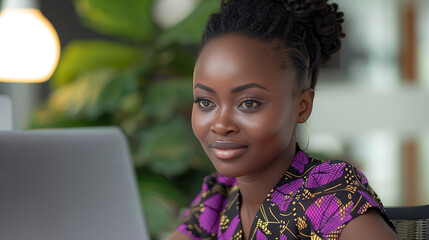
315 237
301 223
224 222
319 201
238 235
290 231
307 194
334 235
343 208
364 208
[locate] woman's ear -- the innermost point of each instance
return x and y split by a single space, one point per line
304 105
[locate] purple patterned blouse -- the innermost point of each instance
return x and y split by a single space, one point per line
313 200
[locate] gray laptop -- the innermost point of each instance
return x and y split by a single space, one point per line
75 184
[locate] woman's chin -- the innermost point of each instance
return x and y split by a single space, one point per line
228 167
228 171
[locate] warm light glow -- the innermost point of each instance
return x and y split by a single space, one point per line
29 46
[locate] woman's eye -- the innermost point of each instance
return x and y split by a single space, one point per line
249 104
204 103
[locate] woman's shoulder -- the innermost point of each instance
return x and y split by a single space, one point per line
317 174
340 180
339 190
309 179
322 174
319 197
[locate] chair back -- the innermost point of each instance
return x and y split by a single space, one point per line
412 223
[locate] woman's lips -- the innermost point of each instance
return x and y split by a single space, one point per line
227 150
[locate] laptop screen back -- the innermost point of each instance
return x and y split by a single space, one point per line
68 184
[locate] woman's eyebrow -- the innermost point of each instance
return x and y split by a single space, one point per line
246 86
234 90
204 87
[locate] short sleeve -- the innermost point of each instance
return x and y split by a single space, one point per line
202 219
336 193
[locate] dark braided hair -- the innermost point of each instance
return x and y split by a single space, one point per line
309 30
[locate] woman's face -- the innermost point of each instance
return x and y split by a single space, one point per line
246 107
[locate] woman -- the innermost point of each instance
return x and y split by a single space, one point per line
253 83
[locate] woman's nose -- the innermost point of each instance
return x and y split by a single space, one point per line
223 123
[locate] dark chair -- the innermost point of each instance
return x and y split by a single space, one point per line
412 223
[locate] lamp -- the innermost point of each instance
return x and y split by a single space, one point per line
29 44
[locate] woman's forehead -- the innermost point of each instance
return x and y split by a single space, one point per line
233 46
238 57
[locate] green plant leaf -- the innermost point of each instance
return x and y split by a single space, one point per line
51 118
175 60
117 90
164 98
189 30
79 98
130 19
167 147
84 55
161 200
150 182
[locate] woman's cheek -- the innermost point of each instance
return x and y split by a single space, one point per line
200 123
268 125
261 122
195 123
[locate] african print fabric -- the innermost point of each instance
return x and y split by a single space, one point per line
313 200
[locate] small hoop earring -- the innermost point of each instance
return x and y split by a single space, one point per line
308 138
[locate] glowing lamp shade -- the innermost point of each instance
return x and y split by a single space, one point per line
29 46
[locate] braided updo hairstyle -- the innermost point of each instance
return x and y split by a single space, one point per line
311 28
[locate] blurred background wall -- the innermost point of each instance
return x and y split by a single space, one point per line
371 105
372 109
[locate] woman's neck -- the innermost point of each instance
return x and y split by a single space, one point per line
254 188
